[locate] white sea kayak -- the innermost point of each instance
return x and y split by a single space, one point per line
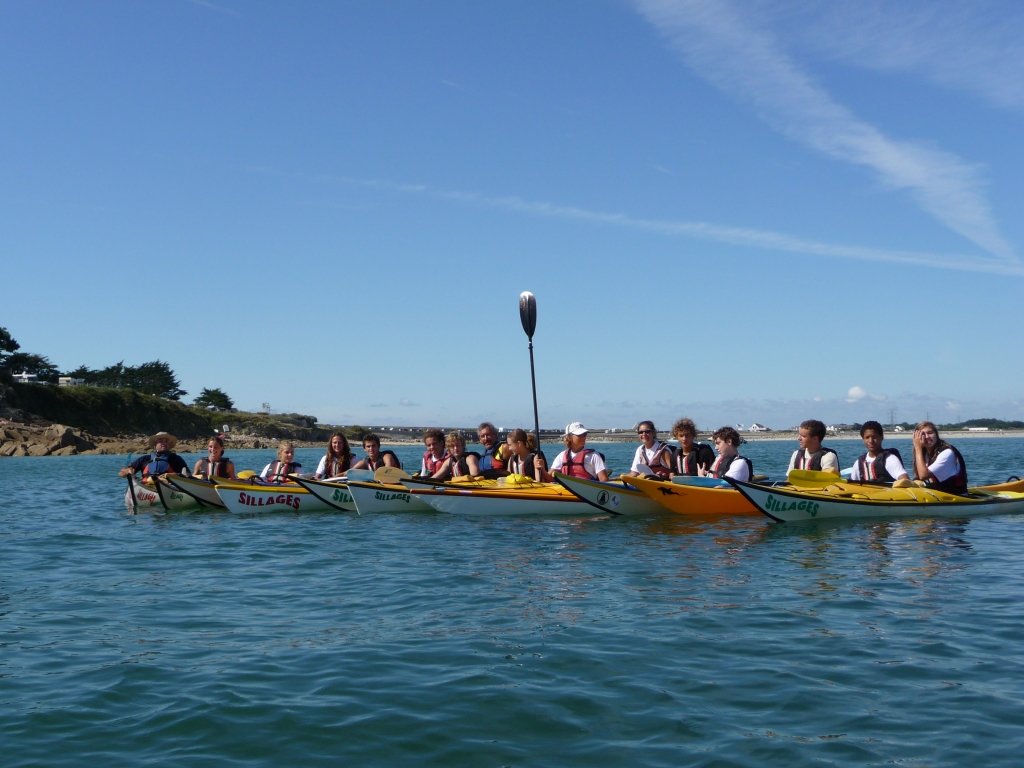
157 495
846 500
242 498
332 493
201 490
375 497
617 498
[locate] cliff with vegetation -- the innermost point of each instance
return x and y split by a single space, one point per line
103 415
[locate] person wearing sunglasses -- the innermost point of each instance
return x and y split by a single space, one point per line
653 456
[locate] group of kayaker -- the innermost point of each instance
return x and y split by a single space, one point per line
936 463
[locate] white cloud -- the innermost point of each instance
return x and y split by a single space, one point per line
976 47
756 238
856 394
405 401
716 40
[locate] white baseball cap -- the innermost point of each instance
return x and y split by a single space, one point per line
575 429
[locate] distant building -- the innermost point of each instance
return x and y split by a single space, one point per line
977 429
755 427
67 381
26 378
898 428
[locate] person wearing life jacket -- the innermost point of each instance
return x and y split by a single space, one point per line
375 457
338 459
163 460
812 454
523 456
216 464
729 462
435 455
691 455
460 462
937 463
652 453
881 465
492 459
577 460
278 471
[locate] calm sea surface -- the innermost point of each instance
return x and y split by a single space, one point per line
333 639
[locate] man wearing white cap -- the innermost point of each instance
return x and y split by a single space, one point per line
577 460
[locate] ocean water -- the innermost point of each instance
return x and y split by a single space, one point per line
196 639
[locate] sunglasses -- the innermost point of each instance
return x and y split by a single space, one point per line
645 431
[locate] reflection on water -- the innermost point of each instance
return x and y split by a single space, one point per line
380 640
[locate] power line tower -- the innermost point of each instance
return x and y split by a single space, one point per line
892 418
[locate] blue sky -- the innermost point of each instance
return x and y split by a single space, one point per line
736 211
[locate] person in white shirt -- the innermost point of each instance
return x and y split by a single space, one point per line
338 459
812 454
652 453
883 465
729 462
937 463
577 460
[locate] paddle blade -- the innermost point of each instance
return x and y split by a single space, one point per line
528 312
245 474
390 475
362 475
808 478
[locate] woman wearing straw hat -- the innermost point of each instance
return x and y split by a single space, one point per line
162 461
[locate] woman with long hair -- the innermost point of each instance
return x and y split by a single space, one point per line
524 458
338 460
937 463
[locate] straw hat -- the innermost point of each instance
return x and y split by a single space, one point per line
171 439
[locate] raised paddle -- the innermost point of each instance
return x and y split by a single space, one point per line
528 315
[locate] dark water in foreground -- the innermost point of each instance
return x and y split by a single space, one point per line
333 639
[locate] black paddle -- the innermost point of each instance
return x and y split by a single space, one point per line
131 486
528 315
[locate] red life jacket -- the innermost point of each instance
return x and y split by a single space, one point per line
431 464
654 462
279 471
574 467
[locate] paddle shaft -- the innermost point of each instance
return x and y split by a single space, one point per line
533 382
131 486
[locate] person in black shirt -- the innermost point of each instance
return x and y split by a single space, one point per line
162 461
691 456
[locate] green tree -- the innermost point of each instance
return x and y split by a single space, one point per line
7 345
217 397
29 363
155 378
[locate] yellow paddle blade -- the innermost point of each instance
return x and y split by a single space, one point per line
245 474
808 478
390 475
